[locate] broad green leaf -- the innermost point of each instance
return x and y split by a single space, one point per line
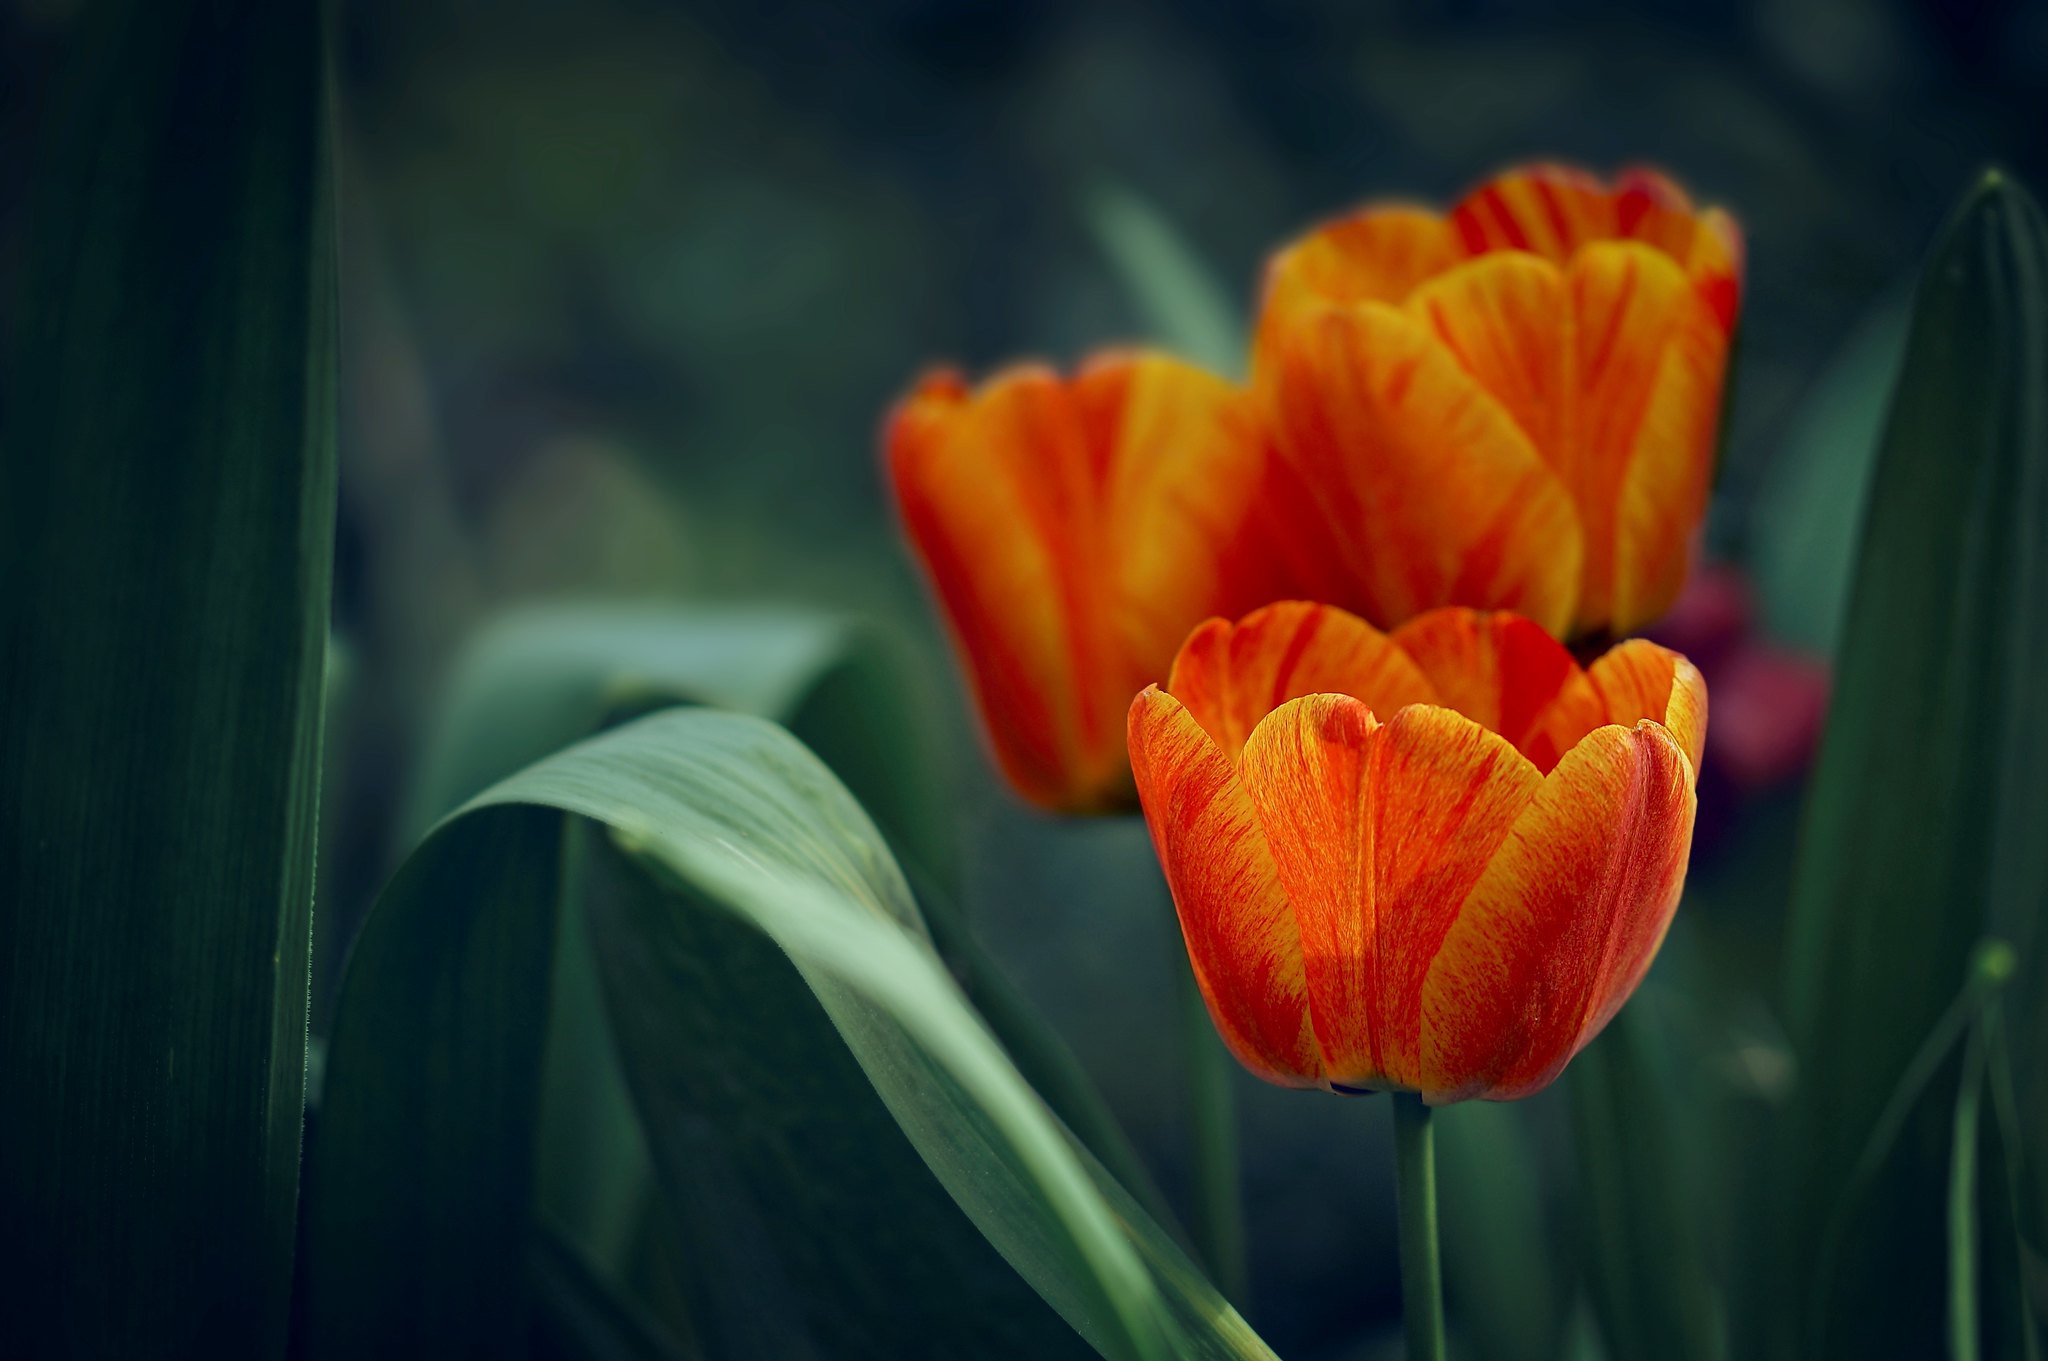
544 676
166 514
432 1078
1923 825
1175 291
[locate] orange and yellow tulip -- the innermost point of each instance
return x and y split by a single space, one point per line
1434 861
1511 406
1074 530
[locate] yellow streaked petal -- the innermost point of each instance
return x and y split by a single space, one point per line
1378 831
1230 676
1565 920
1239 928
1403 484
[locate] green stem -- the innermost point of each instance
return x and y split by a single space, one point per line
1962 1201
1422 1285
1212 1112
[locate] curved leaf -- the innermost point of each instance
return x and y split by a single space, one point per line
432 1070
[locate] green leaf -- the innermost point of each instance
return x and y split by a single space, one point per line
1923 823
1640 1233
1504 1295
166 515
1175 291
541 677
432 1078
578 1317
1809 508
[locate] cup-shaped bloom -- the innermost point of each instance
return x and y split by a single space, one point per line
1510 406
1434 861
1073 531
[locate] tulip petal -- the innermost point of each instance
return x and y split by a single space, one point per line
1230 676
988 490
1375 255
1240 931
1178 465
1498 669
1639 679
1649 356
1404 484
1507 319
1378 832
1548 210
1564 921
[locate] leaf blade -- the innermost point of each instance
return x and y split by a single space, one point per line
166 518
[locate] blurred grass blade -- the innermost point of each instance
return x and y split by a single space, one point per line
1923 823
1184 307
1497 1251
1640 1236
420 1169
577 1316
1811 497
166 516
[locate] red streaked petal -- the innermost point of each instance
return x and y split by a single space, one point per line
1403 484
1231 676
1179 467
1565 920
1507 319
1714 264
1632 681
1650 357
1549 210
1497 669
1377 254
1377 831
987 490
1236 920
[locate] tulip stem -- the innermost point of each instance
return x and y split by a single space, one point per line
1422 1286
1212 1117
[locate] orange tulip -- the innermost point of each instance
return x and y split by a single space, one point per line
1074 531
1513 406
1435 861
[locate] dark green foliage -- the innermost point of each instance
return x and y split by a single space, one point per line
771 1139
1924 827
166 514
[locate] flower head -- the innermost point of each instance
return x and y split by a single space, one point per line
1437 860
1073 530
1513 405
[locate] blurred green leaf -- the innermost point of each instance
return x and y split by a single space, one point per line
1175 291
578 1317
1923 826
1809 510
166 514
417 1206
1503 1293
1641 1236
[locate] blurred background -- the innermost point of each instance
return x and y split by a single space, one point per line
627 287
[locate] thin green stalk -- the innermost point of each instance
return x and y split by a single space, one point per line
1212 1118
1962 1202
1422 1285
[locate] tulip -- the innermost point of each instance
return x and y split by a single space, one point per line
1074 530
1435 861
1512 406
